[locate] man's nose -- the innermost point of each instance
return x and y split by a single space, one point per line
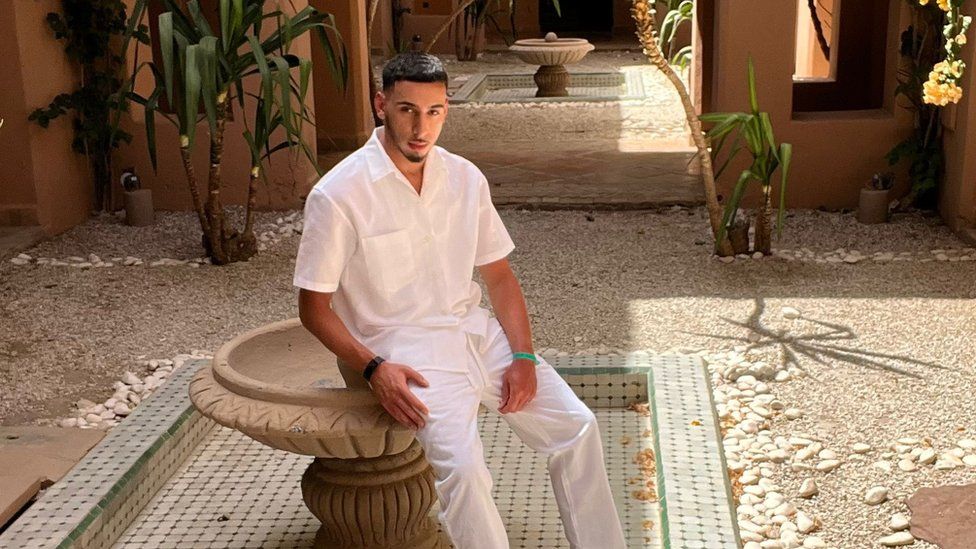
421 125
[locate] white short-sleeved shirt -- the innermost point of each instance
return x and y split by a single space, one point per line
400 263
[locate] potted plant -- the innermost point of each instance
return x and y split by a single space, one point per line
873 204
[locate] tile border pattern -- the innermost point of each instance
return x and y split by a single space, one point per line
479 86
94 504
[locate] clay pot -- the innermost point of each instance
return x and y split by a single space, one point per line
138 208
873 206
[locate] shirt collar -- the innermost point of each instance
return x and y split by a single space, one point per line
380 165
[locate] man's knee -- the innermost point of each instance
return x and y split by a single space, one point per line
463 468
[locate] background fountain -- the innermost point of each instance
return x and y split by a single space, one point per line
551 54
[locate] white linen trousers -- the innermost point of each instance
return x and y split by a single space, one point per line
555 423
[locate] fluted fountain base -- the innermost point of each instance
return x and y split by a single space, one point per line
552 81
377 503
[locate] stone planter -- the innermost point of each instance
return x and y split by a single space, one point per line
873 206
138 208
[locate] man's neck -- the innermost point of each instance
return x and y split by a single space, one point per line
413 171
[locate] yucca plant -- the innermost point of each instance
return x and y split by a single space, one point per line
756 130
678 12
208 65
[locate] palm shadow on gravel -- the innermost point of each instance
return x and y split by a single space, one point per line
822 343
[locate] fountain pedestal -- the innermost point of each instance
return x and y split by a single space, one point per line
385 501
369 484
552 81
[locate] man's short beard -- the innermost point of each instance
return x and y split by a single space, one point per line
415 158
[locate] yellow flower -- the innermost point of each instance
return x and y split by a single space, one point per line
961 39
936 93
923 2
944 4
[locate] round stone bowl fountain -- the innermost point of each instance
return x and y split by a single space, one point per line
370 484
551 54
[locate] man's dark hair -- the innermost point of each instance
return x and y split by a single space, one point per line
413 67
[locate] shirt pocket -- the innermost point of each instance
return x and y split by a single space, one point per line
390 261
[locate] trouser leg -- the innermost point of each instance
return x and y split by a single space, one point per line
561 426
454 450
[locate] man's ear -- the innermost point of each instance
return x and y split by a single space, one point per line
379 102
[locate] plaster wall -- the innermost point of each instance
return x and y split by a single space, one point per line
42 181
835 153
957 201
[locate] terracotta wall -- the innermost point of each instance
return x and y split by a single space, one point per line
42 181
834 153
289 175
958 198
345 115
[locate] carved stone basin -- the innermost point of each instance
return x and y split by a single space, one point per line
551 54
272 384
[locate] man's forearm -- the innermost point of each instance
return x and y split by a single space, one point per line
319 319
509 306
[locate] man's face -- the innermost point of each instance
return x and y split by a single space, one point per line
413 114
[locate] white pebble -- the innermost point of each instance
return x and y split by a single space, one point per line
876 495
69 422
809 488
898 522
861 448
828 465
793 413
897 539
804 523
790 313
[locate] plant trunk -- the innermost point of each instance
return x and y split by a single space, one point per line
191 179
370 17
214 209
252 191
764 227
448 23
646 24
739 235
466 37
101 164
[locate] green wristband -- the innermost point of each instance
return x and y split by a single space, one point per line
527 356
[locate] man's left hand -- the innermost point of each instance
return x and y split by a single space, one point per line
518 386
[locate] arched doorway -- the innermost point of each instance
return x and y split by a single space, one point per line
584 18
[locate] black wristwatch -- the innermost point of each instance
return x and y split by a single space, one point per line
368 372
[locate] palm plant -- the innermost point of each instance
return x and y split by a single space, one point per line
208 66
756 130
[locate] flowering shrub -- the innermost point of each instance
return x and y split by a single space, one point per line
942 86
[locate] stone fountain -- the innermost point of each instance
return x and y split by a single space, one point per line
370 484
551 54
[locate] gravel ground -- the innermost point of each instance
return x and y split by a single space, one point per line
595 281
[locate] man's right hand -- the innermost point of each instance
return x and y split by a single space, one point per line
389 384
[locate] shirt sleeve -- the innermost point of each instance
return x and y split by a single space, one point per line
494 243
328 241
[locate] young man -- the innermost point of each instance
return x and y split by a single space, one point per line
391 238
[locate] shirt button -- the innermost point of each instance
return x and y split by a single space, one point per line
427 239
